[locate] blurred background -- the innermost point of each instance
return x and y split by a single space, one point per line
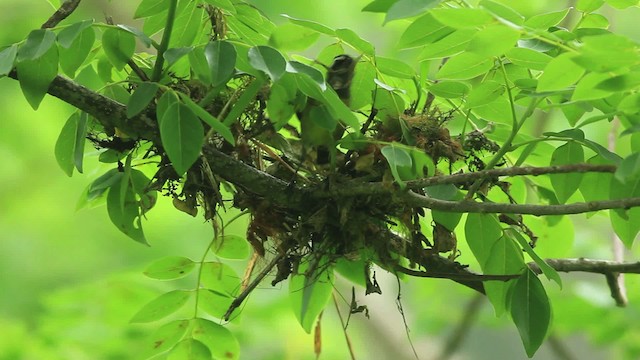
70 281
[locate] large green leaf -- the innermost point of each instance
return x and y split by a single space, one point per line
493 40
394 67
484 93
547 270
231 247
268 60
531 311
221 342
317 27
465 66
221 58
407 8
482 231
167 336
505 258
290 36
182 136
547 20
565 185
528 58
205 116
451 44
422 31
38 43
559 74
75 54
162 306
220 278
460 18
119 46
124 208
141 98
190 349
67 36
69 148
353 39
7 58
170 268
626 223
310 290
215 303
151 7
35 76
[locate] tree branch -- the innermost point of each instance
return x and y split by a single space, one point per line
465 206
67 7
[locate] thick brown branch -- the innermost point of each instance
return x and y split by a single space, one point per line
67 7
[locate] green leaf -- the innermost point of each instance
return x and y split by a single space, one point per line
220 278
7 58
595 53
589 5
505 258
528 58
353 39
220 340
182 136
137 33
167 336
445 192
396 68
211 120
465 66
451 44
314 74
565 185
170 268
162 306
625 223
363 86
268 60
312 25
292 37
586 89
460 18
485 93
124 209
493 40
67 36
379 6
187 25
422 31
223 4
622 4
547 20
119 46
215 304
595 186
174 54
37 44
628 170
72 57
231 247
199 65
547 270
149 8
35 76
481 232
531 311
407 8
450 89
559 74
69 148
620 83
310 290
398 158
141 98
221 58
190 349
503 12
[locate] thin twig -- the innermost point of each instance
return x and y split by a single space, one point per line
464 326
67 7
243 295
344 328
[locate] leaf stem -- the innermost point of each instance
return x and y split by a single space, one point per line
164 44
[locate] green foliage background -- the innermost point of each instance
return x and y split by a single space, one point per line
71 281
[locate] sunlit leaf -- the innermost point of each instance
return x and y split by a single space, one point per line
493 40
528 58
481 232
310 291
231 247
7 58
505 258
189 349
407 8
162 306
353 39
559 74
290 36
422 31
119 46
450 89
221 342
167 336
170 268
547 20
459 18
151 7
465 66
311 25
547 270
220 277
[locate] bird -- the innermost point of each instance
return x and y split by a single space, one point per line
319 129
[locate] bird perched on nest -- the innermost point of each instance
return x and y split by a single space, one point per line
319 128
